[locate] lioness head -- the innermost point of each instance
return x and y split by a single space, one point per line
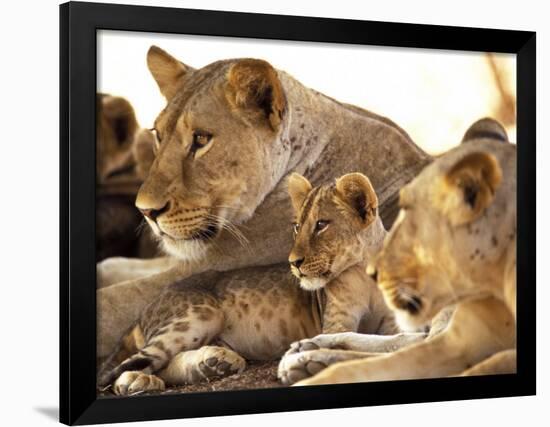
123 151
334 225
218 149
457 219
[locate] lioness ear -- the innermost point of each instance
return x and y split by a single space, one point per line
357 192
468 187
144 152
486 128
298 189
120 117
253 83
167 71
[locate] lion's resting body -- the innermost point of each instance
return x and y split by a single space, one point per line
454 242
317 137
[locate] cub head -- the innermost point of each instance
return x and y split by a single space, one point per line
218 146
455 222
124 152
335 227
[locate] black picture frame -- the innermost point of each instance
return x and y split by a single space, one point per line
79 403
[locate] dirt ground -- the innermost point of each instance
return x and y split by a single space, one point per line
256 375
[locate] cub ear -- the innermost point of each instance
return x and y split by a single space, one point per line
298 189
485 128
254 84
356 191
167 71
469 187
120 117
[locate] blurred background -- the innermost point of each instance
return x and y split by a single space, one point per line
433 94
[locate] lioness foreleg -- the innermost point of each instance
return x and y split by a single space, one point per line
478 329
297 366
503 362
307 357
354 341
116 270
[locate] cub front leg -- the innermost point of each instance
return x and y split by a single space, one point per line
192 366
478 329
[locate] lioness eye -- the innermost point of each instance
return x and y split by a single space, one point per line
295 227
200 140
321 225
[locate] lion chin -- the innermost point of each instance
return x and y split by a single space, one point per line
185 250
312 283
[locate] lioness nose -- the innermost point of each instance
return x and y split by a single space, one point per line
296 262
154 213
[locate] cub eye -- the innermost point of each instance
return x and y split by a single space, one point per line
321 225
200 140
295 227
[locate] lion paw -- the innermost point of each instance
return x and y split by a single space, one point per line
219 361
297 366
327 341
133 382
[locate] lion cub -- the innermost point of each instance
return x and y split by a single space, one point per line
337 230
199 329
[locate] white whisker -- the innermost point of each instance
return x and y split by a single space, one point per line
227 225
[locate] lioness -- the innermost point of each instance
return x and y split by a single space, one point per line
123 156
229 135
209 324
454 241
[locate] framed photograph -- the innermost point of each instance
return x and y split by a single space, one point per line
266 213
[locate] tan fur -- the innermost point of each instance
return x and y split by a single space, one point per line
123 157
352 233
124 151
167 71
298 189
477 173
252 83
478 330
352 230
116 129
207 327
432 258
218 199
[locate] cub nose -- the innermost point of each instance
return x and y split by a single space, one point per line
296 262
154 213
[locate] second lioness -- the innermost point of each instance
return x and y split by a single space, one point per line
198 329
